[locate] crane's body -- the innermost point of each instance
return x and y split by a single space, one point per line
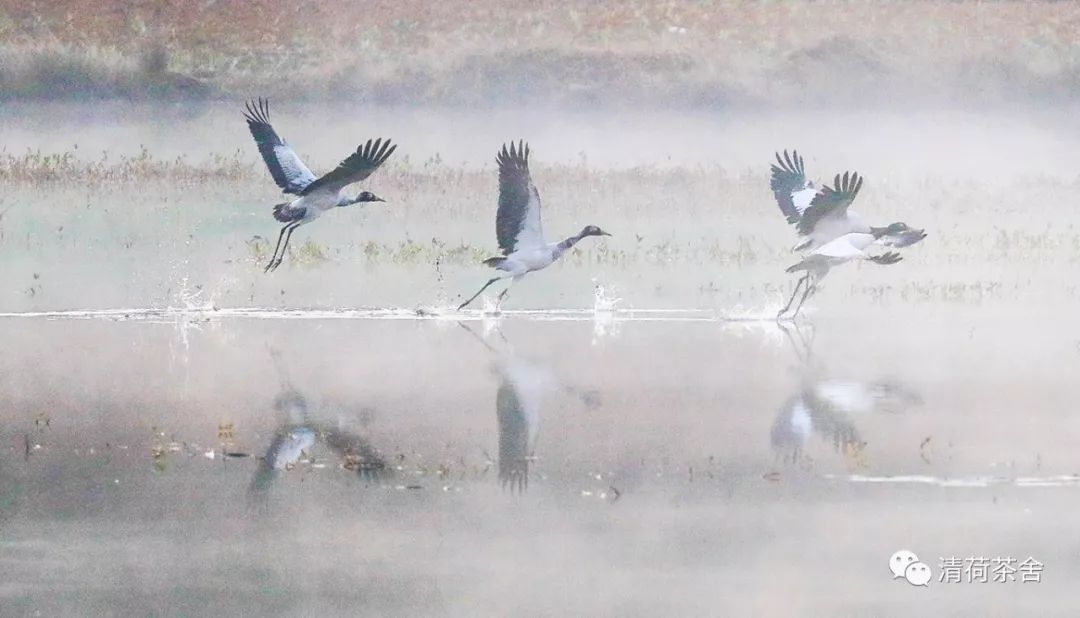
831 233
833 253
315 195
848 247
517 224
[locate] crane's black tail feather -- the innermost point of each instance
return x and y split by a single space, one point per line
285 214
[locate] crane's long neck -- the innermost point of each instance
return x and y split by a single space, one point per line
344 200
565 245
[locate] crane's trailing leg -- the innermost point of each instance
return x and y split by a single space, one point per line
503 294
280 255
811 287
276 247
490 281
805 279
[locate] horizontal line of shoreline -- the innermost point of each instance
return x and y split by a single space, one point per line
427 313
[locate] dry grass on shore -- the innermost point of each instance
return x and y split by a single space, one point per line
672 54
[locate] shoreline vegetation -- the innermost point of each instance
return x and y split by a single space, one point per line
575 53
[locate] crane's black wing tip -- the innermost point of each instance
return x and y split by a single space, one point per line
791 163
514 154
257 111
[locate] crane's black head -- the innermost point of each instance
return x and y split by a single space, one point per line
367 196
592 230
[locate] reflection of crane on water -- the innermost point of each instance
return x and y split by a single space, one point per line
833 234
298 433
523 385
826 407
517 224
315 195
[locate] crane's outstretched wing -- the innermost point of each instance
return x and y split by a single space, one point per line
789 185
831 201
517 223
886 259
358 166
288 171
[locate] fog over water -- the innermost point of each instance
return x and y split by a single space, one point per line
181 433
718 479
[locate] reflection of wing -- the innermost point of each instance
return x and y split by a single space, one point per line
791 429
291 440
357 453
289 444
853 397
518 404
514 453
293 406
806 414
832 424
845 396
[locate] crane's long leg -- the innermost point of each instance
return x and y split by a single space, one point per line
810 287
490 281
281 255
793 294
276 247
285 245
279 250
498 303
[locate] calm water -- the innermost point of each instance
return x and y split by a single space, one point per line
616 464
181 434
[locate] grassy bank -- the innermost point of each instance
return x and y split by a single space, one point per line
578 53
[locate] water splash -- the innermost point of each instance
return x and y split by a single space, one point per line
605 306
491 306
603 299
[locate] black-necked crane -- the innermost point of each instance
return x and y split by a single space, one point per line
822 214
517 224
848 247
315 196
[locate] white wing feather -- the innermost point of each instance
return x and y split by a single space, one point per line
532 233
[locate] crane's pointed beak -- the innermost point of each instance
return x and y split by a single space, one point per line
604 234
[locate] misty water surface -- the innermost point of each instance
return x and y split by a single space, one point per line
330 440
